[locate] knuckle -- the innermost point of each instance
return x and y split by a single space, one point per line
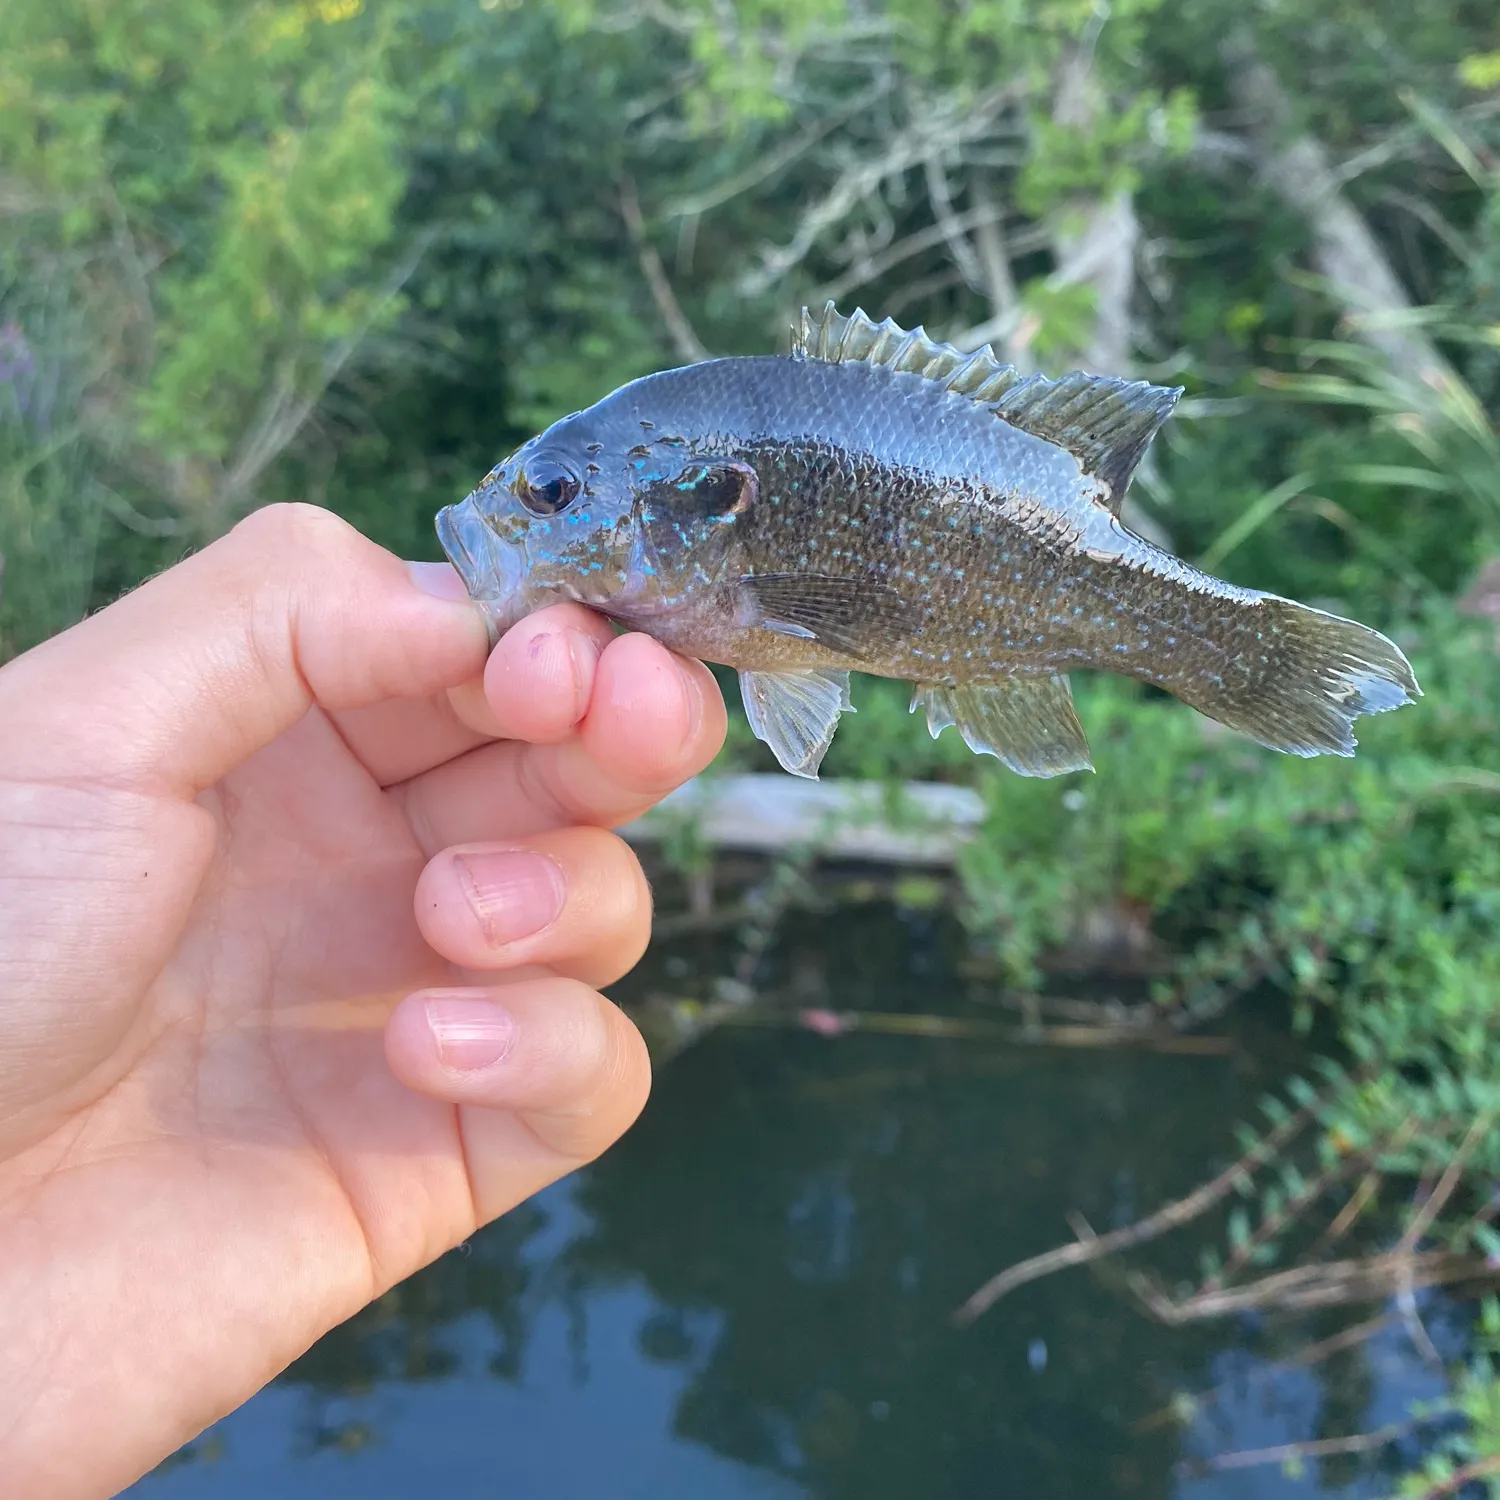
600 1076
608 1066
293 528
621 893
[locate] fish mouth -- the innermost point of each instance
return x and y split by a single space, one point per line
450 534
493 571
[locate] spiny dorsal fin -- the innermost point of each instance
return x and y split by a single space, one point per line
829 336
1104 422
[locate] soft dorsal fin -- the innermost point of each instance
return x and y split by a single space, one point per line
1106 423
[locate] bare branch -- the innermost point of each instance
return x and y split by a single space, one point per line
1170 1216
947 123
870 268
994 253
914 293
1336 1283
283 413
1460 1479
1101 254
1423 1219
959 247
1359 1442
778 159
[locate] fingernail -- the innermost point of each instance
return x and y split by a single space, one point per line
469 1032
441 580
515 893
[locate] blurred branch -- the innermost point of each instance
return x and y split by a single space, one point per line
1423 1219
1274 1224
964 256
994 261
284 411
1364 1192
1461 1478
869 268
1346 253
1100 251
686 342
777 159
1303 1288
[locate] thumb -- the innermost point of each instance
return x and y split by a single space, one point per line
178 682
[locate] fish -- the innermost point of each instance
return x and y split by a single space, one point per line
875 501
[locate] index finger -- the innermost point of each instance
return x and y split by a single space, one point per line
536 686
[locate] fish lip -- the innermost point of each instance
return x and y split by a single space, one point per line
450 534
493 570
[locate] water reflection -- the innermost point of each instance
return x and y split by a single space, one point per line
750 1296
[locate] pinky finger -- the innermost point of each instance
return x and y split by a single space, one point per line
552 1074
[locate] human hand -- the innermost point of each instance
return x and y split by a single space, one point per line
301 905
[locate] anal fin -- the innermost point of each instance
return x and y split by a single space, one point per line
1027 722
796 713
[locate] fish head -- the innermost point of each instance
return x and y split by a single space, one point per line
598 509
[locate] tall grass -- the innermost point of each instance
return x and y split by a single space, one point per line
50 508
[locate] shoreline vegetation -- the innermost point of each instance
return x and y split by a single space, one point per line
351 253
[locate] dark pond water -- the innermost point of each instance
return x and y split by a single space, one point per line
750 1296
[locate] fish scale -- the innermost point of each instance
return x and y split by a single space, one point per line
881 503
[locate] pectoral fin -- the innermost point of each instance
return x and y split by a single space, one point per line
796 713
1028 722
857 616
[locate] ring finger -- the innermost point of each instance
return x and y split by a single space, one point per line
574 900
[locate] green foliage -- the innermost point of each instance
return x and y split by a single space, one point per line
1107 156
1463 1449
234 171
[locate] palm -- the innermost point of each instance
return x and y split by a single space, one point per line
260 1118
275 1005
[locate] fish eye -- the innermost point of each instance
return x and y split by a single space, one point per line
547 488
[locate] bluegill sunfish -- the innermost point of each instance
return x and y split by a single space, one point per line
881 503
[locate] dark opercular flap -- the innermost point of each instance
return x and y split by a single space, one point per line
719 487
858 616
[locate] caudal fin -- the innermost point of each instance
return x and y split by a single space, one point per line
1301 678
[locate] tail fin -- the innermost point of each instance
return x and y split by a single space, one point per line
1302 678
